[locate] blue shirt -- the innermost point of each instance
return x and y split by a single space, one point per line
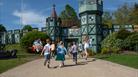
61 50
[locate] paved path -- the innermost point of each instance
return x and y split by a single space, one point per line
97 68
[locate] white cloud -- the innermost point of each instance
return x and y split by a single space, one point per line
31 18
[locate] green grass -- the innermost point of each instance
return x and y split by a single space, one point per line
22 57
130 60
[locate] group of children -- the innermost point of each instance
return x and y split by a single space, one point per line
60 51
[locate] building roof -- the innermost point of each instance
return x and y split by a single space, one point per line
53 13
69 23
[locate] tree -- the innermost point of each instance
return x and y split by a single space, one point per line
134 14
28 27
69 16
2 28
122 14
107 19
111 44
27 40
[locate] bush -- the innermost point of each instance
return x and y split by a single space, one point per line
111 44
131 42
28 39
105 50
123 34
91 53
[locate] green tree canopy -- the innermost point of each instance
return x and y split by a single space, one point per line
134 15
69 16
68 13
107 19
28 39
28 27
2 28
122 15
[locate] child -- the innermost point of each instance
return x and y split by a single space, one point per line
53 49
80 49
46 51
74 52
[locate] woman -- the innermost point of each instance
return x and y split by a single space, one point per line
61 52
86 46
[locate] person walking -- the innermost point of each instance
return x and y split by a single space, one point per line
61 52
80 49
86 46
74 50
46 50
53 47
69 50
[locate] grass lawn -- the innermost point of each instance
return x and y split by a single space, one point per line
130 60
22 57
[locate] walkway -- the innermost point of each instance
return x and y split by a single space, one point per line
97 68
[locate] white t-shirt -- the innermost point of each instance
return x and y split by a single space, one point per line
74 48
47 48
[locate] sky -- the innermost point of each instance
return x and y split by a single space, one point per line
16 13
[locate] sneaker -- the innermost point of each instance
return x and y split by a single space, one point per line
60 66
85 58
44 63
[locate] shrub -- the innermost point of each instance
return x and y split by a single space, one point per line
111 44
123 34
28 39
90 52
131 41
105 50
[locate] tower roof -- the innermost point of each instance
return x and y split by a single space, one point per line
54 14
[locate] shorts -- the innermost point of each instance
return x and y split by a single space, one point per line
47 56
